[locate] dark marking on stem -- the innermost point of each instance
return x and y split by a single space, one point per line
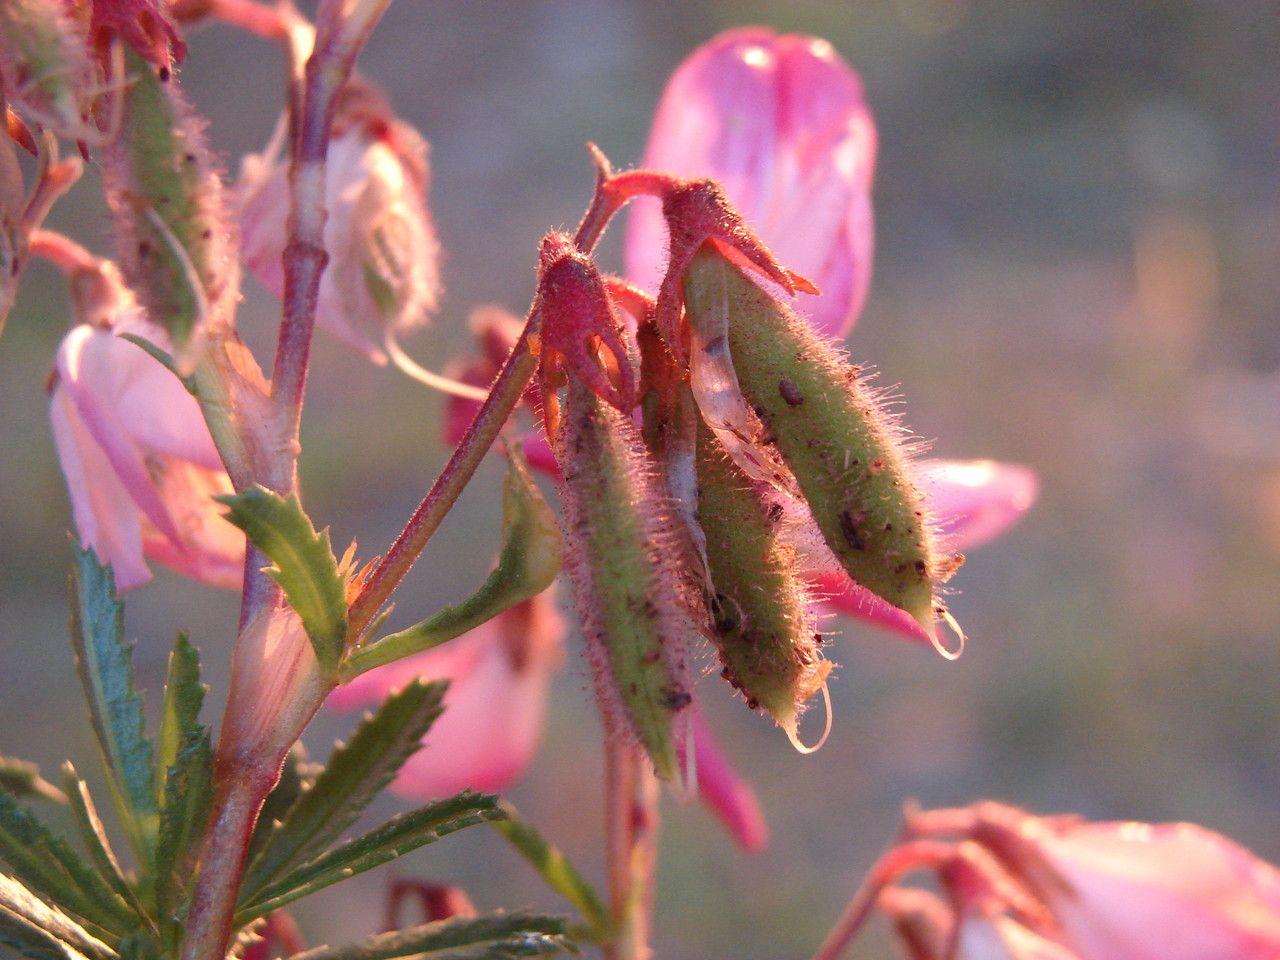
790 392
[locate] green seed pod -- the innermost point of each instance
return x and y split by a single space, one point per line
173 228
45 68
760 613
844 451
619 543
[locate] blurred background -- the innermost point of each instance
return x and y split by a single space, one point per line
1078 268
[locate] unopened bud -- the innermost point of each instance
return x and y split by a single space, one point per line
619 531
761 616
844 450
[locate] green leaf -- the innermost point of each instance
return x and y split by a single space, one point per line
530 560
44 862
85 814
41 930
303 565
355 774
557 871
115 710
23 780
183 696
188 795
499 936
397 836
295 776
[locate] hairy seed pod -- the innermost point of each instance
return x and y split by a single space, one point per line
46 71
844 451
619 542
761 616
173 230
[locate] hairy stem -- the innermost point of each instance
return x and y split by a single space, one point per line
631 847
235 812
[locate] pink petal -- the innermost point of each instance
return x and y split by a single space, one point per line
105 515
86 371
837 592
1003 938
975 501
1163 892
780 121
730 798
499 674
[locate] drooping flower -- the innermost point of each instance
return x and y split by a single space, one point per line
1113 890
498 675
140 465
781 123
381 279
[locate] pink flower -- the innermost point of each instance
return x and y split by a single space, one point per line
140 465
382 277
498 678
1124 891
780 121
925 925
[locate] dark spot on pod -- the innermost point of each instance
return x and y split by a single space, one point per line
876 466
849 522
790 392
775 512
653 656
163 74
726 620
753 703
819 639
144 248
922 568
206 234
676 699
189 158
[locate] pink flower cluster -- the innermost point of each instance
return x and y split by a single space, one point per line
1021 887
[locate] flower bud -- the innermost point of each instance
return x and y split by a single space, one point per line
844 451
618 530
382 278
781 123
761 615
140 465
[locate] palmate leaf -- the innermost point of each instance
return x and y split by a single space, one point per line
557 871
356 773
302 563
529 561
499 936
397 836
42 931
115 710
44 862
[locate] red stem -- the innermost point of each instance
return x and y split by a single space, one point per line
631 841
